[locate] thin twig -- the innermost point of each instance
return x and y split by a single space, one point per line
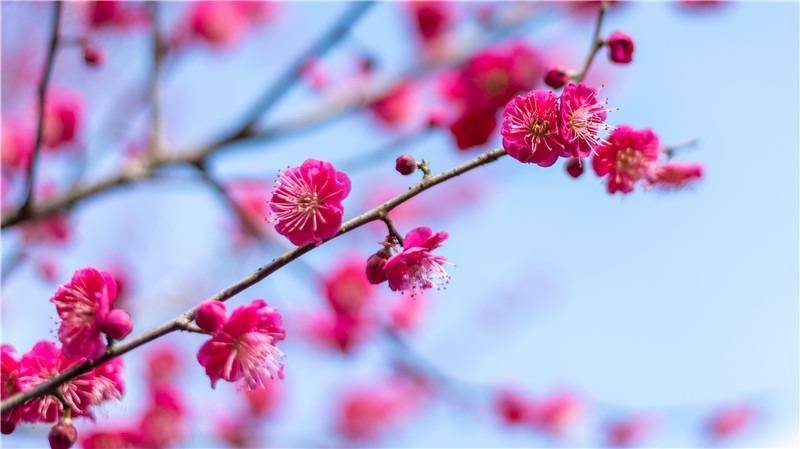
597 42
182 320
393 232
52 48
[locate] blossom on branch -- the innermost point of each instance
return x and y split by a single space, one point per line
416 267
627 157
243 348
85 305
306 204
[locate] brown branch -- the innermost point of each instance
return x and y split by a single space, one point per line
52 48
184 320
597 42
320 115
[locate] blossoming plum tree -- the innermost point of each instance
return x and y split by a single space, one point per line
490 91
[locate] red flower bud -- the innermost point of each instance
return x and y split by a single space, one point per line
117 324
620 47
405 164
556 78
575 167
375 271
211 315
62 436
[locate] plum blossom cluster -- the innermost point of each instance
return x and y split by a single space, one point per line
75 398
242 345
540 127
86 307
306 203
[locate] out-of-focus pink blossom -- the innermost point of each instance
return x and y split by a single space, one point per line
306 203
730 421
224 23
581 119
262 402
514 408
416 267
162 423
432 19
244 347
473 128
676 175
347 288
337 331
629 431
17 147
397 106
63 118
530 128
367 412
114 14
405 315
163 363
491 78
627 157
44 361
110 439
217 22
85 305
558 413
9 385
47 268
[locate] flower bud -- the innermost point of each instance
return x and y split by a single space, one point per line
556 78
211 315
375 272
93 56
7 426
405 164
117 324
62 436
575 167
620 47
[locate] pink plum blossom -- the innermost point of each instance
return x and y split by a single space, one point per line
244 347
416 267
85 306
627 157
530 128
582 117
306 203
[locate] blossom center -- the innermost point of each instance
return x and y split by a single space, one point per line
631 163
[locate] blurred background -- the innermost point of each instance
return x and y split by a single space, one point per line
662 310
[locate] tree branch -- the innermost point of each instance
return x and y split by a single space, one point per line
597 42
52 48
183 320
